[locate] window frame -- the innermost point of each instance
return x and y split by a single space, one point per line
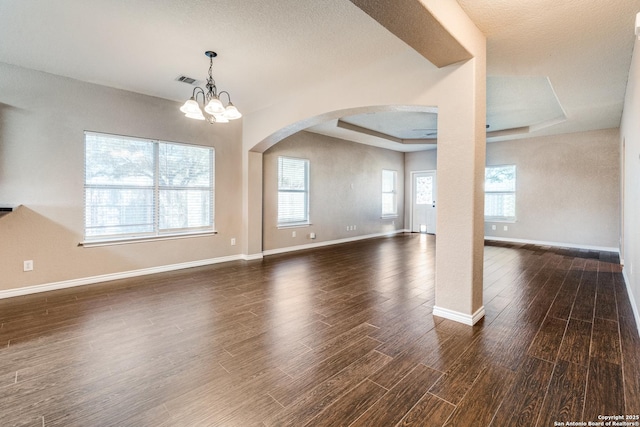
509 219
157 188
393 192
306 191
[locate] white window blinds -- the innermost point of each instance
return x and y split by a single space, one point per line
500 193
389 205
293 191
144 188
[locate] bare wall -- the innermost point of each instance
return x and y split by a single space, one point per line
345 190
42 122
630 159
567 187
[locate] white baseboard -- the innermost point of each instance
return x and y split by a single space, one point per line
251 257
27 290
330 242
554 244
456 316
9 293
632 299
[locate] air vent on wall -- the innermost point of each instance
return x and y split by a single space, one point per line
187 80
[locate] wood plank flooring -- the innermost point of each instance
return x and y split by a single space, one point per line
337 336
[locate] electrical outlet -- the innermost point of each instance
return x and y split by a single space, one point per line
28 265
233 241
312 235
506 228
293 234
493 227
354 227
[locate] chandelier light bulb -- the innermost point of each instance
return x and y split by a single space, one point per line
191 107
214 106
220 118
231 112
197 116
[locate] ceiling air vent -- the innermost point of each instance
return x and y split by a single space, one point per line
187 80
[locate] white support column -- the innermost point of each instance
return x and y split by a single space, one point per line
460 220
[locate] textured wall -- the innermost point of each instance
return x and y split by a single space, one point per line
42 120
630 136
345 189
567 188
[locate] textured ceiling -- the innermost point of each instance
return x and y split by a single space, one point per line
544 56
583 47
267 49
521 101
398 124
401 130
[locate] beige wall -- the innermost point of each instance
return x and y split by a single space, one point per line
567 187
42 120
345 190
630 147
421 161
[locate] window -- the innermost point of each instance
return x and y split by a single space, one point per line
500 193
293 191
389 205
138 188
424 190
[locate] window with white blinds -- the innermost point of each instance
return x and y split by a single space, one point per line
140 188
389 204
293 191
500 193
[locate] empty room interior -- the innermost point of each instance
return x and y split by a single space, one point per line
303 213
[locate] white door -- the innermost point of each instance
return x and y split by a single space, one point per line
423 218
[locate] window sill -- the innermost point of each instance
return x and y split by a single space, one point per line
508 221
294 225
389 216
113 242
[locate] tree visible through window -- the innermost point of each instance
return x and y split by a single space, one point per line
293 191
500 193
143 188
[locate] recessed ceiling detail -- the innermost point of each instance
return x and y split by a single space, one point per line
519 102
403 129
516 106
397 125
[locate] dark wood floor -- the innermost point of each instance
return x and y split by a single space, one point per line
336 336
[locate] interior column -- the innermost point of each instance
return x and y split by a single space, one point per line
460 218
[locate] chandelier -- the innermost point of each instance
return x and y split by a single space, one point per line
213 106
